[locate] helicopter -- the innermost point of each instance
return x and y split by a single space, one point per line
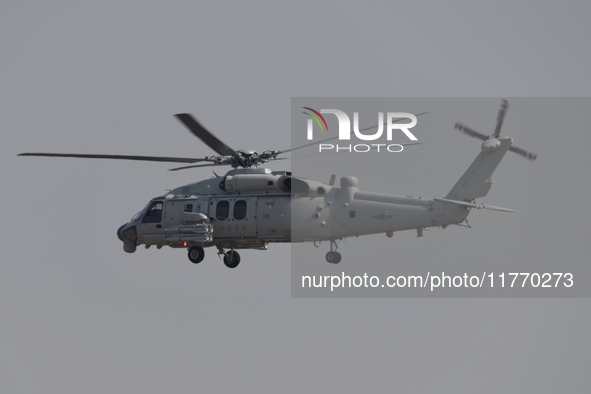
251 207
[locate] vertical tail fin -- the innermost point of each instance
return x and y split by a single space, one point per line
476 180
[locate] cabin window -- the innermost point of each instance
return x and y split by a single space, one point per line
240 209
351 214
153 213
188 208
222 210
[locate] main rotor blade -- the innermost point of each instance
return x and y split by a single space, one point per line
198 165
118 157
502 112
213 164
306 145
394 121
201 132
334 138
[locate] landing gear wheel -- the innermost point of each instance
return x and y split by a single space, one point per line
333 257
196 254
232 259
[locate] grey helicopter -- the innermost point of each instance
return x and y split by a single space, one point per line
251 207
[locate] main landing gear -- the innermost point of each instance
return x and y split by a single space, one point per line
333 256
231 258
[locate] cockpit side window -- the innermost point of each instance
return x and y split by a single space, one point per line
153 213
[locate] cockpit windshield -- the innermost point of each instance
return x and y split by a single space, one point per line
137 215
154 212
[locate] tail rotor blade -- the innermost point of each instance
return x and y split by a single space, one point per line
470 132
500 118
528 155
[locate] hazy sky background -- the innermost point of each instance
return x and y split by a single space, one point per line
80 315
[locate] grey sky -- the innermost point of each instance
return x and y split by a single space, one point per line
80 315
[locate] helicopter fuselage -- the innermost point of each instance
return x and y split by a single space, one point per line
249 208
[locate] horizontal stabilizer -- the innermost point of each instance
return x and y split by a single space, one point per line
472 205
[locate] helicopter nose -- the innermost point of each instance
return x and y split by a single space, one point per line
120 233
127 233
